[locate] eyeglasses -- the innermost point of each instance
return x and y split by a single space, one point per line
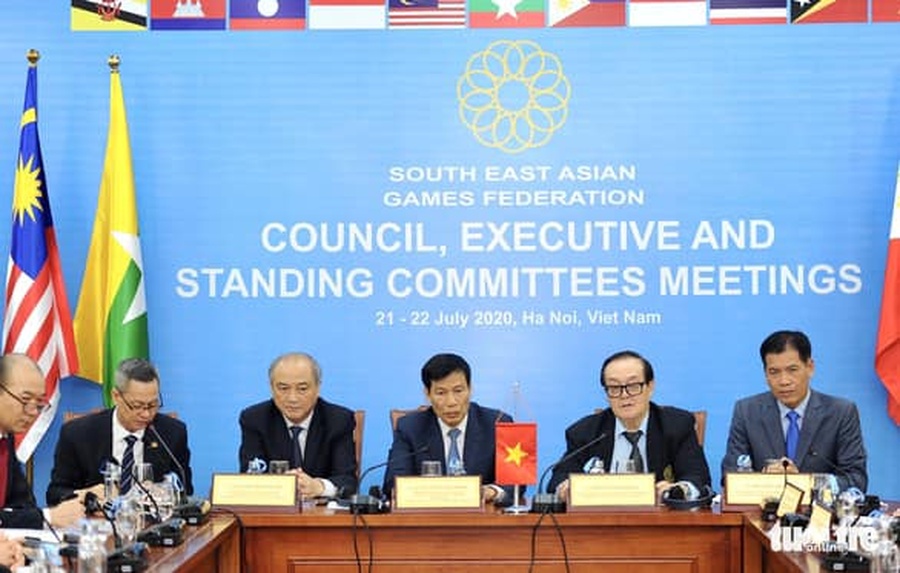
151 407
37 405
631 389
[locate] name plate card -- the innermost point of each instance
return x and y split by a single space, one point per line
448 493
752 489
591 492
257 492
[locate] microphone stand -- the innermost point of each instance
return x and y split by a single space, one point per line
551 502
179 468
366 504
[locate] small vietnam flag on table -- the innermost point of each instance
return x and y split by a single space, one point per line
515 458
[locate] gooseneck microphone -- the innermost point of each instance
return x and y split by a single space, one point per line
362 503
178 467
551 502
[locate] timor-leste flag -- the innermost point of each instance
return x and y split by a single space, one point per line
515 457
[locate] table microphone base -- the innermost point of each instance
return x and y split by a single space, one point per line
547 503
364 504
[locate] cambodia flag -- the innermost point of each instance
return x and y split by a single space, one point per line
187 15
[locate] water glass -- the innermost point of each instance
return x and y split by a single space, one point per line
165 495
629 467
144 473
279 466
129 519
431 468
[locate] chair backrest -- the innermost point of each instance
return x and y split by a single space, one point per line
398 413
359 417
699 423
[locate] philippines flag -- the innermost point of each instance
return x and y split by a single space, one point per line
37 320
268 14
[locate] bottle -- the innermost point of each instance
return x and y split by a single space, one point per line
91 548
744 463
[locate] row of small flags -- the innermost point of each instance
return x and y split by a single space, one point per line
111 320
107 15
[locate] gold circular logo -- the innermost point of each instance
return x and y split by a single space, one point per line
513 95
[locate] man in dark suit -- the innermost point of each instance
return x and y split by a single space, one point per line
792 427
634 431
297 426
430 434
131 433
21 401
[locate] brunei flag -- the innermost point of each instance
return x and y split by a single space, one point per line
109 15
268 14
515 456
586 13
187 15
828 11
111 318
506 13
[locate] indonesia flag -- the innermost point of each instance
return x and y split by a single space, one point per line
887 349
37 321
347 14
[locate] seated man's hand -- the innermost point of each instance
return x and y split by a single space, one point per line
66 513
661 487
308 486
780 466
97 490
491 493
11 553
562 489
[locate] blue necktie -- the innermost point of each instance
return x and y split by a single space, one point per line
127 465
296 453
793 435
454 461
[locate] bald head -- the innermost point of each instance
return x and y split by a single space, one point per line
22 384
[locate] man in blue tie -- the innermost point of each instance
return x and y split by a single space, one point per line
454 431
792 427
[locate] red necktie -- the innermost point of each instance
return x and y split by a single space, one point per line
4 468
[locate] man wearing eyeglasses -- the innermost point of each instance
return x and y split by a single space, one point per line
633 434
122 435
21 401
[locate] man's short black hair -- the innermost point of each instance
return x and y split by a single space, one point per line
648 369
779 341
440 366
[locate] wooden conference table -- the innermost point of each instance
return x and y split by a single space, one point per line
212 547
654 541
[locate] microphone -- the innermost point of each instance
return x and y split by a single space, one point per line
179 468
551 502
361 503
92 505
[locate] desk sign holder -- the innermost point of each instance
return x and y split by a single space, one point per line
619 492
746 491
449 493
274 493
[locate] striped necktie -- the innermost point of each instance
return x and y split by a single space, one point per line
127 465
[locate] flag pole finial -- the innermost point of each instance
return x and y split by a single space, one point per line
114 62
33 56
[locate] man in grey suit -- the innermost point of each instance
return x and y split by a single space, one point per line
792 427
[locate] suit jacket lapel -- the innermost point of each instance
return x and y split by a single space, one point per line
605 447
435 441
656 444
810 423
314 436
771 426
474 440
281 436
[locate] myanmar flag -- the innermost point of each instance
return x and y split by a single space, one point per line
111 318
506 13
515 458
